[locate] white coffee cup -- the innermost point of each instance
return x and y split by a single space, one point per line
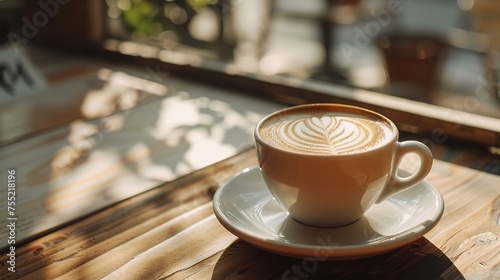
326 164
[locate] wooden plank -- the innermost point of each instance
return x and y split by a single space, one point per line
409 115
177 253
170 233
78 92
132 226
79 168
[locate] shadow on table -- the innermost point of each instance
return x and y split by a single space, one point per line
418 260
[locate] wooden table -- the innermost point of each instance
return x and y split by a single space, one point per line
118 201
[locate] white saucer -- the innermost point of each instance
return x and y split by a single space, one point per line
246 208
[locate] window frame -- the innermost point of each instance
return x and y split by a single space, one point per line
411 116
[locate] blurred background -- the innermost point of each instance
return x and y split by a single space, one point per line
444 52
141 92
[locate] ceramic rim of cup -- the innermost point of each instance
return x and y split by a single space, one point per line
391 139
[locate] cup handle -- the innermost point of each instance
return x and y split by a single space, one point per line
397 183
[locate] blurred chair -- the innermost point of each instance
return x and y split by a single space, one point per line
414 61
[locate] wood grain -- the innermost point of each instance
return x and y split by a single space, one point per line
408 115
87 164
113 195
170 232
127 229
72 92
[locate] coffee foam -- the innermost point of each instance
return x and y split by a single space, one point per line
326 133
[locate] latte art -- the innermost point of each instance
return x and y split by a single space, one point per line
326 134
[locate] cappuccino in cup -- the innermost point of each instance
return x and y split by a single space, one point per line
326 164
319 132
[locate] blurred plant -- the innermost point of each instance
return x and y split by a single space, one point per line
199 4
171 23
140 16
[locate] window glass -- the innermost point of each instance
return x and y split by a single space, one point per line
439 52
